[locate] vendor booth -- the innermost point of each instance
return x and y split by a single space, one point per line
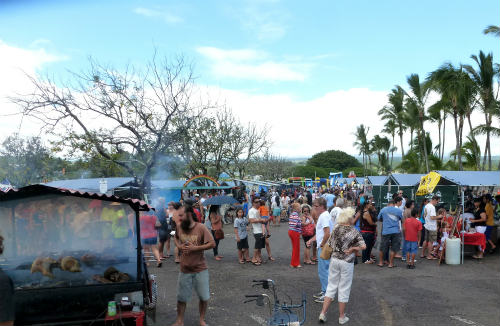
69 253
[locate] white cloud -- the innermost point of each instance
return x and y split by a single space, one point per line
15 64
302 128
265 19
166 16
252 65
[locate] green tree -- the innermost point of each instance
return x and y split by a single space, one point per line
492 29
309 171
457 92
472 153
484 76
382 146
418 97
362 143
333 159
395 111
390 129
26 161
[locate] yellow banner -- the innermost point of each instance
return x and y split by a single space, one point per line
428 183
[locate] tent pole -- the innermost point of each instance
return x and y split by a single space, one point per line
463 224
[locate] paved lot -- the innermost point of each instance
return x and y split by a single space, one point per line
429 295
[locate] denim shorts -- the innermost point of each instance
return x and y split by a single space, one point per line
411 247
199 281
150 241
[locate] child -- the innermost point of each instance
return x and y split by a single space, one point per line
240 229
445 229
264 214
412 229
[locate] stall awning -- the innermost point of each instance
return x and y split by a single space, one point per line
472 178
401 179
91 185
377 180
39 190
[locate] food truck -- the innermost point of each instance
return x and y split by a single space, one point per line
69 254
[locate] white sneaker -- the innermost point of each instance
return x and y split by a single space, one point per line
318 295
320 299
322 318
344 320
403 258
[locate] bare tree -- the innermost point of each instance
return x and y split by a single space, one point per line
109 111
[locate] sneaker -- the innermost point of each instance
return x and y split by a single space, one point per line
322 318
344 320
403 258
320 299
318 295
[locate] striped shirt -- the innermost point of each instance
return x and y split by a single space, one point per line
295 223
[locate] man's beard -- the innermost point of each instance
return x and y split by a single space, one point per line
185 224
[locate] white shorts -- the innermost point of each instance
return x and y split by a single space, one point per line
480 229
339 279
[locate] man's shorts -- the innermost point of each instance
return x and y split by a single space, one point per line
260 241
392 240
431 236
487 233
199 281
149 241
411 247
243 244
163 235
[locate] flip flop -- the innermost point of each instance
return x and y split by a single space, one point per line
271 259
380 265
256 264
242 262
393 266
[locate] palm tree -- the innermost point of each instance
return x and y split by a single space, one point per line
457 92
382 146
410 119
362 144
420 91
471 151
492 29
390 128
395 111
438 113
484 76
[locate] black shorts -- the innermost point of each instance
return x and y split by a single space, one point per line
243 244
306 238
163 235
260 241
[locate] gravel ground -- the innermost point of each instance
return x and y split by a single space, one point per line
468 294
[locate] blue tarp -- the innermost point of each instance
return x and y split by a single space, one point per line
89 185
472 178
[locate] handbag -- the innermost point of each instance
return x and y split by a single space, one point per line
326 251
308 230
219 234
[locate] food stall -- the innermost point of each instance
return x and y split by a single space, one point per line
70 253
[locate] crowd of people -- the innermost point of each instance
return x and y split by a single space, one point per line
340 228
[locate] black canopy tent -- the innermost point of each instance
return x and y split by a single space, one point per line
59 227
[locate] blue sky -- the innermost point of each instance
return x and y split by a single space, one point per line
260 48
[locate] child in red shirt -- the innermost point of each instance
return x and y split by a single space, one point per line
412 229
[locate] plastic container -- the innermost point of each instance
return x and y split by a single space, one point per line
453 251
112 308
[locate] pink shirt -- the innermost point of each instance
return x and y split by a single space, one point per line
148 229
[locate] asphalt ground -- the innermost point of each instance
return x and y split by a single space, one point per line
433 295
